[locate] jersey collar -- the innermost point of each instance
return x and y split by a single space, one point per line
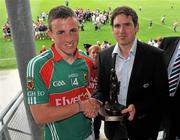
57 57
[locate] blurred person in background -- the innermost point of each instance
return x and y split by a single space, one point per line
94 51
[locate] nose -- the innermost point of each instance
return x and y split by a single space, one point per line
68 37
121 29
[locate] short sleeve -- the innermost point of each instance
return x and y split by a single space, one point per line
36 91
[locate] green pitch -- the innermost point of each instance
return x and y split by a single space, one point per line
150 10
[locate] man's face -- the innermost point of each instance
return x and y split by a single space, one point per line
65 33
124 30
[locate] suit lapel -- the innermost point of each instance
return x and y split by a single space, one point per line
137 66
169 52
110 60
168 55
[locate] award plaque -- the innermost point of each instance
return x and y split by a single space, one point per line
111 111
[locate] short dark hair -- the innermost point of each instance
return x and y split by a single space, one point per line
61 12
86 46
125 10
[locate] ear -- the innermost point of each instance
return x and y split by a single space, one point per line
137 27
50 33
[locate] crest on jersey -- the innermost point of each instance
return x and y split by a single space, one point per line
30 83
85 76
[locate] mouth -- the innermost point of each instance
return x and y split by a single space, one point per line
69 45
122 37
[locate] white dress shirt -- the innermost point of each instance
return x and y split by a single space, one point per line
123 70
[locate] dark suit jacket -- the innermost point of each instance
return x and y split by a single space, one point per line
169 44
148 87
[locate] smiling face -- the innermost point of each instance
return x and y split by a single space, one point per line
124 30
65 33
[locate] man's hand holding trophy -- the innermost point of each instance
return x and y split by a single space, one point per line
113 110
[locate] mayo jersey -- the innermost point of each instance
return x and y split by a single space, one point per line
50 79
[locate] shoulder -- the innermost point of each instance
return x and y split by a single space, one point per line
146 48
38 61
168 42
86 58
149 52
107 51
171 39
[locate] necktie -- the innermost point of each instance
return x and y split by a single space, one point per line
174 76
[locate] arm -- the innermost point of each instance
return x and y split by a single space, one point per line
39 100
43 113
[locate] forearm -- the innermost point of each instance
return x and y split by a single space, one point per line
43 113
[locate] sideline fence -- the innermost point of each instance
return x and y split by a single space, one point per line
13 121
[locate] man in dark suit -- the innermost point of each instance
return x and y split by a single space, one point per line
171 47
141 71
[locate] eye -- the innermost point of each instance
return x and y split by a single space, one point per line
60 32
117 26
127 24
74 30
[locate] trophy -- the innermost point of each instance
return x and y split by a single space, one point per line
111 111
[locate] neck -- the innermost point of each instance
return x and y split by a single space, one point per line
70 58
65 54
125 51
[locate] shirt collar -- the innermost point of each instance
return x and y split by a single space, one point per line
132 50
57 57
179 45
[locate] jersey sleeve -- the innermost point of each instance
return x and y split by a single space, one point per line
36 90
92 76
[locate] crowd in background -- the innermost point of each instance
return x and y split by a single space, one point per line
97 17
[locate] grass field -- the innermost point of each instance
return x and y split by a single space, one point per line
151 10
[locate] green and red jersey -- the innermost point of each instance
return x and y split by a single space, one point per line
50 79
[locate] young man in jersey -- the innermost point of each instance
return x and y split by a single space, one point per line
58 82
